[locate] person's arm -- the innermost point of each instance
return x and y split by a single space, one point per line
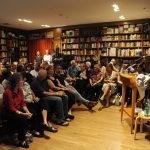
52 85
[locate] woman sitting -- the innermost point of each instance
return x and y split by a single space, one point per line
110 84
15 109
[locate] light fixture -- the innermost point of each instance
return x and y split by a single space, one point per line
115 7
25 20
45 25
121 17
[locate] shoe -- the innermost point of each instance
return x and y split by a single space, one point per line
91 104
50 128
62 123
36 133
71 116
44 136
67 119
23 144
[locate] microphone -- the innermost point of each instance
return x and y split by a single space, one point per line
139 59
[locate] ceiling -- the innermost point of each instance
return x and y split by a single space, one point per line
58 13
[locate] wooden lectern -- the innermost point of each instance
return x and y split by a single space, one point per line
130 81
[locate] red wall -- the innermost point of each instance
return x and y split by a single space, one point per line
39 45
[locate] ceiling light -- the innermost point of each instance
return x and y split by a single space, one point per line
115 7
121 17
25 20
45 25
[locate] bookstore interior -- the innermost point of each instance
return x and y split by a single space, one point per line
83 32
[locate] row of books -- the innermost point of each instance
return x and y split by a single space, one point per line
71 33
23 48
121 52
24 54
123 29
146 43
3 48
109 44
23 43
84 58
130 44
80 52
147 52
110 38
131 37
2 41
79 46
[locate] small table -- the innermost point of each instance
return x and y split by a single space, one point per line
140 116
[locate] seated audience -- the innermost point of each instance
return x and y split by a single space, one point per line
50 100
62 83
33 105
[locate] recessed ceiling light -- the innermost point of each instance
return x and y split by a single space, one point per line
45 25
25 20
115 7
121 17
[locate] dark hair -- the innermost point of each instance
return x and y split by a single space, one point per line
110 65
142 66
20 68
14 79
6 73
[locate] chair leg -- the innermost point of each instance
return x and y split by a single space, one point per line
141 126
135 130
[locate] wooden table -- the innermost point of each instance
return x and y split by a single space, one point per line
130 81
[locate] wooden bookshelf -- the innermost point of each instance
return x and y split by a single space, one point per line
13 44
127 40
81 42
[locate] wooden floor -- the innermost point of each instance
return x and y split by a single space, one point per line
97 130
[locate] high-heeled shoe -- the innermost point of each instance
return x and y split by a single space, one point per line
50 128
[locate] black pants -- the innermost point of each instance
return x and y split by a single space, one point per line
17 123
56 103
36 120
94 92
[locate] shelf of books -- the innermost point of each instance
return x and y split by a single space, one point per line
129 40
13 45
80 42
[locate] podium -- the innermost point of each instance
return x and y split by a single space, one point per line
130 81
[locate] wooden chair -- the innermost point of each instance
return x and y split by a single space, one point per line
140 116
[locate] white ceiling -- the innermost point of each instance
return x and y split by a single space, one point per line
69 12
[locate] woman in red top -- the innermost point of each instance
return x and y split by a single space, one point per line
15 109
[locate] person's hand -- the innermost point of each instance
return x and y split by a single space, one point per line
60 93
36 99
28 115
64 89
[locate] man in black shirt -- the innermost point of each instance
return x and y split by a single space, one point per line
50 100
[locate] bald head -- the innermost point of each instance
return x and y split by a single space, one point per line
42 74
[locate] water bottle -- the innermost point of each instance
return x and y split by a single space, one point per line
147 108
117 98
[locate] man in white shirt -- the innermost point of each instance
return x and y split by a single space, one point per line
47 57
